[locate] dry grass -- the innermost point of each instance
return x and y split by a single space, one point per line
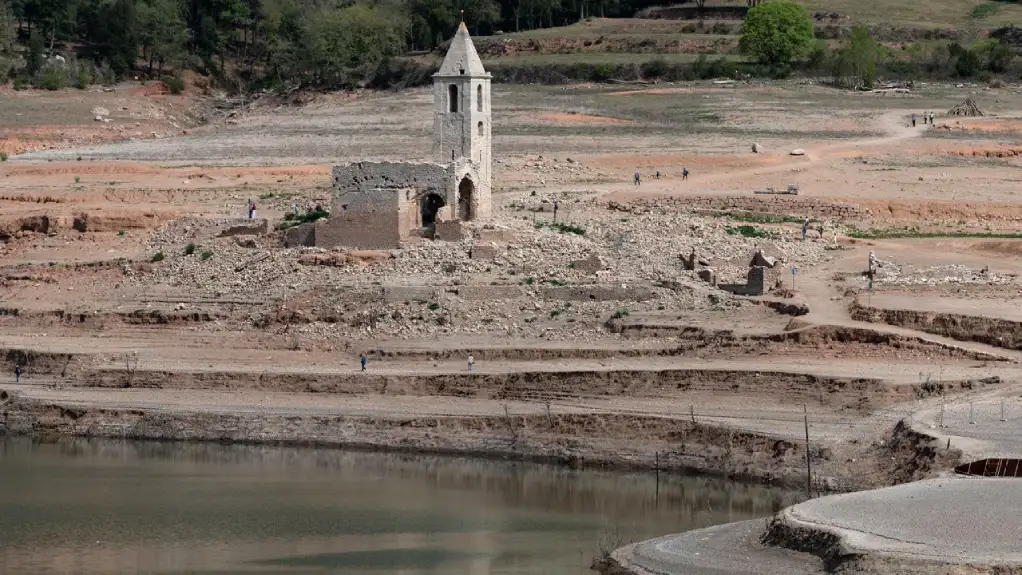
920 13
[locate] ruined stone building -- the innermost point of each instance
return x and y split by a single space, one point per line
378 205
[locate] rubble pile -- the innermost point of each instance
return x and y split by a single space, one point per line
892 274
538 279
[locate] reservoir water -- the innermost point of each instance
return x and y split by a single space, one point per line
88 507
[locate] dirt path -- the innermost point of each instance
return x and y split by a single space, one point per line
892 123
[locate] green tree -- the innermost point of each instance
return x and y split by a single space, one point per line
7 32
777 34
995 54
161 32
116 39
856 63
345 45
35 58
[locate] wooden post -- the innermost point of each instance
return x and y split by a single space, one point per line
809 469
658 478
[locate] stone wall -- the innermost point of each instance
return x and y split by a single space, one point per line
302 235
780 205
376 204
759 281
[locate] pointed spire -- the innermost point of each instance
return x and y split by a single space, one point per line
462 58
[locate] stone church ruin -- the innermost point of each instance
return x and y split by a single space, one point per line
379 205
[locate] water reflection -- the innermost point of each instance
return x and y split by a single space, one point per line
112 507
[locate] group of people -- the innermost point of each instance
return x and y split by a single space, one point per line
805 228
926 115
638 177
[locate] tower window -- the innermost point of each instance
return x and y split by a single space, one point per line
452 98
481 129
479 99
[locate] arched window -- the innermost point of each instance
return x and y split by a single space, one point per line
482 130
452 98
479 99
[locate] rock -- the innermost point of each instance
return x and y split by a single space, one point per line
245 242
756 148
590 265
798 152
100 111
98 118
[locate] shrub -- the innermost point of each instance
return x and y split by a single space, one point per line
52 78
20 83
157 257
206 255
620 314
746 231
82 79
189 249
175 84
78 179
3 156
291 220
434 306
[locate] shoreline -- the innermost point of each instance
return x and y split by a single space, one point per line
607 441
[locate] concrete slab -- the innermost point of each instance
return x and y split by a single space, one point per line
731 549
950 520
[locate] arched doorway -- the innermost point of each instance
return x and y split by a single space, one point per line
430 205
465 190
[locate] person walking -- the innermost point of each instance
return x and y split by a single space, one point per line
471 361
556 205
363 361
658 174
805 228
924 117
684 173
637 179
913 120
251 210
931 117
17 374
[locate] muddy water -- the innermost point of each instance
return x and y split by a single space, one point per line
129 507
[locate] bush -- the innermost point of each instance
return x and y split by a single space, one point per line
746 231
621 313
157 257
292 220
189 249
53 78
3 156
82 79
20 83
175 84
206 255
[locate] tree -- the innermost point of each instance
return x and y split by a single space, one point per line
995 54
162 32
777 34
116 40
7 31
345 45
856 63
